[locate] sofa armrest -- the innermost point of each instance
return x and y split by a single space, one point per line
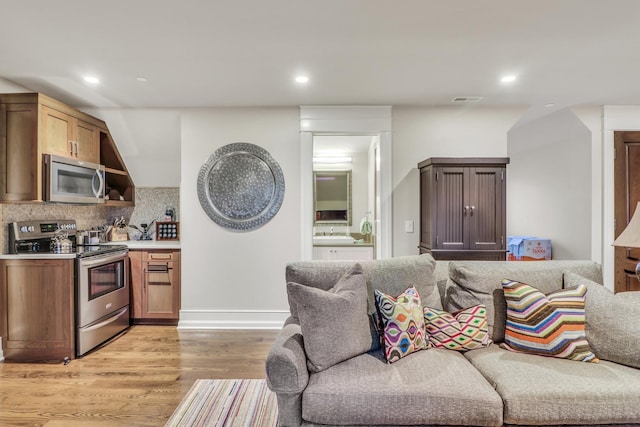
286 364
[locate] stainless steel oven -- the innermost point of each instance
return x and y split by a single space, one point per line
102 299
101 278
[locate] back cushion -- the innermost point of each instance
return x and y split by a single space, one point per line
391 276
613 322
480 282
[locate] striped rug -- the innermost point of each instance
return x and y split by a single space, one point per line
246 403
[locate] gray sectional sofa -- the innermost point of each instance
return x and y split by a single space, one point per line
489 386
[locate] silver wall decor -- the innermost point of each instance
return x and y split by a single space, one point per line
240 186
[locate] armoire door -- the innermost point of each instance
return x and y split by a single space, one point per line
452 230
484 208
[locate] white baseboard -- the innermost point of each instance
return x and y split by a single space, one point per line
232 319
1 353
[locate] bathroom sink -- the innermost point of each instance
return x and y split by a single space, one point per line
333 240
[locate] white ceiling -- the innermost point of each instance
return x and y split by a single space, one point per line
198 53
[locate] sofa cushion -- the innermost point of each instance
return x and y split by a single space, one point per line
613 321
434 387
403 323
334 323
391 276
546 390
480 282
547 325
464 330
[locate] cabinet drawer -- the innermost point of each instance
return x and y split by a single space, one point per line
161 255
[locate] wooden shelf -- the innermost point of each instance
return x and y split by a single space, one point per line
116 171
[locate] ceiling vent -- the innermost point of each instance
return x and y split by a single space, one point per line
466 99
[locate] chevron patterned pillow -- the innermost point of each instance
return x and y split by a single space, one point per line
546 325
464 330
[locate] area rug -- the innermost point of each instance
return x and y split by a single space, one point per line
246 403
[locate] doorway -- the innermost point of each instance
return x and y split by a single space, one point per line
370 121
626 196
344 202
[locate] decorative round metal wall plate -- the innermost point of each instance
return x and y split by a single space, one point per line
240 186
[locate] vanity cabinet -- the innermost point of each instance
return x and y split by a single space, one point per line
155 286
356 253
37 309
32 124
463 208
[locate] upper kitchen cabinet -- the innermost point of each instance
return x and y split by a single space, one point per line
463 208
68 136
32 124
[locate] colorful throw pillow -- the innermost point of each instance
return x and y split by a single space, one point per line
546 325
402 323
464 330
334 323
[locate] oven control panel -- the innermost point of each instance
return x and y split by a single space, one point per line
34 236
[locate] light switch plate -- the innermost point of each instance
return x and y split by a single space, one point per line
408 226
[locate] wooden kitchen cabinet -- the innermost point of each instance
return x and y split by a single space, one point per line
155 286
37 309
33 124
69 136
463 208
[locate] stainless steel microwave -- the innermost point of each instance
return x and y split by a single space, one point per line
72 181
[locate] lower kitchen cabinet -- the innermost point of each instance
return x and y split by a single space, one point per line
37 309
155 286
357 253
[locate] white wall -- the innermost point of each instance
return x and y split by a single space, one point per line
549 183
238 278
7 86
591 117
420 133
148 141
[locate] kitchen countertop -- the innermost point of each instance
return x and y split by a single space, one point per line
131 244
38 256
344 244
148 244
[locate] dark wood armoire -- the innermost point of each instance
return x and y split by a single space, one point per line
463 208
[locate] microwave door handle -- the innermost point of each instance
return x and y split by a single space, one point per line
96 192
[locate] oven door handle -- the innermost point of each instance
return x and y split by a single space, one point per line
109 320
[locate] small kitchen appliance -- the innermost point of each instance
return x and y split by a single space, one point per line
72 181
101 277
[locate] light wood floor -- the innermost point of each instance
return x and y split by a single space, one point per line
136 380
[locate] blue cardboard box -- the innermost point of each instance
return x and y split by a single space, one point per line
528 248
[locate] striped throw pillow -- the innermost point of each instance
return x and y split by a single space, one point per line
546 325
464 330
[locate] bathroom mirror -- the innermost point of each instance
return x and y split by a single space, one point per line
332 197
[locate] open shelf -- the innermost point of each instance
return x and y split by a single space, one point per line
116 175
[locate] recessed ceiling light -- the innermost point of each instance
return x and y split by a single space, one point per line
92 80
302 79
549 105
508 79
141 79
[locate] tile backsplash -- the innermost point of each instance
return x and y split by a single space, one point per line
151 203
